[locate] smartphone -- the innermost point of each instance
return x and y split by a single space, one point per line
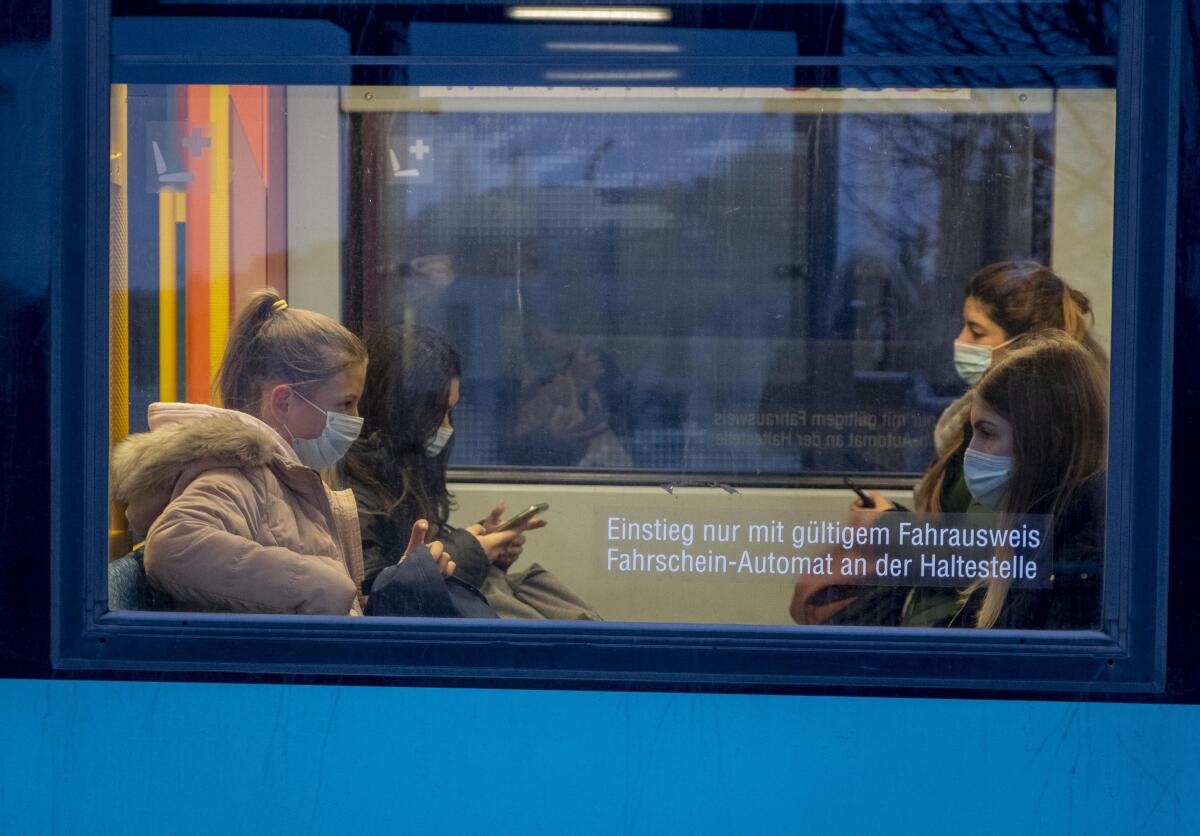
866 500
523 517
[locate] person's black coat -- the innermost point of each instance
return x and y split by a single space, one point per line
414 586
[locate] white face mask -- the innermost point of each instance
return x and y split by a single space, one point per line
971 361
321 452
438 441
987 476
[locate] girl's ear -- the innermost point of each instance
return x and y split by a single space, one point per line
279 401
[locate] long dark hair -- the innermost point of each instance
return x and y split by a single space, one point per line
1052 391
1024 296
406 394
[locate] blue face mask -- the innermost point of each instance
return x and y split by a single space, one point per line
987 476
324 451
438 441
971 361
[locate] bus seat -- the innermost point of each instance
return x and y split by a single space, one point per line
128 588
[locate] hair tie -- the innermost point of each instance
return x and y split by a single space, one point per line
280 304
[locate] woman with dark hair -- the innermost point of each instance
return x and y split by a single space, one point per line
1038 446
1002 302
398 473
1039 420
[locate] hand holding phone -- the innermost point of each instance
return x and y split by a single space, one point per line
866 500
523 517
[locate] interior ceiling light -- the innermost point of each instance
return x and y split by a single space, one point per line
596 46
621 14
612 75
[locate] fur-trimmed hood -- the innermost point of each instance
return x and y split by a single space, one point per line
233 521
187 438
948 432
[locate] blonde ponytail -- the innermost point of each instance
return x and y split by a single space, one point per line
271 341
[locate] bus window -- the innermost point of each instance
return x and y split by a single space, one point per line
743 294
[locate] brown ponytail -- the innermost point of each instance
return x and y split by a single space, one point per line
1076 314
1025 296
271 341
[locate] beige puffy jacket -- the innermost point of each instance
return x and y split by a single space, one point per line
233 521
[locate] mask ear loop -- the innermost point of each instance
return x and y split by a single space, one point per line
286 428
291 435
307 401
1004 345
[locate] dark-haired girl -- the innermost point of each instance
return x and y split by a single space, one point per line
1039 420
1002 302
398 474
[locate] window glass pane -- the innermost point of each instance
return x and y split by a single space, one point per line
741 294
906 27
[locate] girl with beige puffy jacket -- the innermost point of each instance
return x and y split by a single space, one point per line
231 501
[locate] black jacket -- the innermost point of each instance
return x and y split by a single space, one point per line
1071 603
414 587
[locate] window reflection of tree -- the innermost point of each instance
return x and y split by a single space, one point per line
1074 27
923 200
938 197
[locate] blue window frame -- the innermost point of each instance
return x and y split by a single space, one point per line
1128 655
